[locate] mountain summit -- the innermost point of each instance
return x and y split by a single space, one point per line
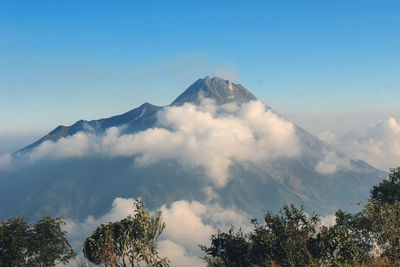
222 91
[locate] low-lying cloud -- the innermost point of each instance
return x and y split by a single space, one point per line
5 161
379 145
189 224
178 255
79 231
331 163
209 136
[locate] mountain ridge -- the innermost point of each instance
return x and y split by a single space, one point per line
144 116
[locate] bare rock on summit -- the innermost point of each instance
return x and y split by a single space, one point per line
222 91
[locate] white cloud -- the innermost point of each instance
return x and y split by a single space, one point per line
328 137
380 146
208 136
77 145
188 224
78 231
5 161
185 225
332 163
209 193
178 256
192 223
328 220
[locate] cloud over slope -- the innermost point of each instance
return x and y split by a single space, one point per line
189 224
209 136
379 145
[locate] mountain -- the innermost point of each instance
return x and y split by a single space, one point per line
75 187
222 91
144 117
137 119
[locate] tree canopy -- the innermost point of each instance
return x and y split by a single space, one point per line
388 191
44 244
292 238
129 242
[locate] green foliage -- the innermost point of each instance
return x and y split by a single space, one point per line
342 244
289 233
228 249
14 240
44 244
132 240
385 227
388 191
383 210
291 238
283 240
349 241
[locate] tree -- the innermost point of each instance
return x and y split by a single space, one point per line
228 249
287 237
348 242
14 240
388 191
385 227
291 238
283 240
132 240
383 211
44 244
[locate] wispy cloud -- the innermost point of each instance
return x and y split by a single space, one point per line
189 224
5 161
331 163
208 136
379 145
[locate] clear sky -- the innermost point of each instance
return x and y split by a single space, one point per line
61 61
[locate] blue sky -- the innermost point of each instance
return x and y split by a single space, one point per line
314 61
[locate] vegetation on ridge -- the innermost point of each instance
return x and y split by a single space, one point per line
43 244
370 237
132 240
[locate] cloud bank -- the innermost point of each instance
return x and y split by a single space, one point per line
331 163
379 145
209 136
189 224
5 161
78 231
